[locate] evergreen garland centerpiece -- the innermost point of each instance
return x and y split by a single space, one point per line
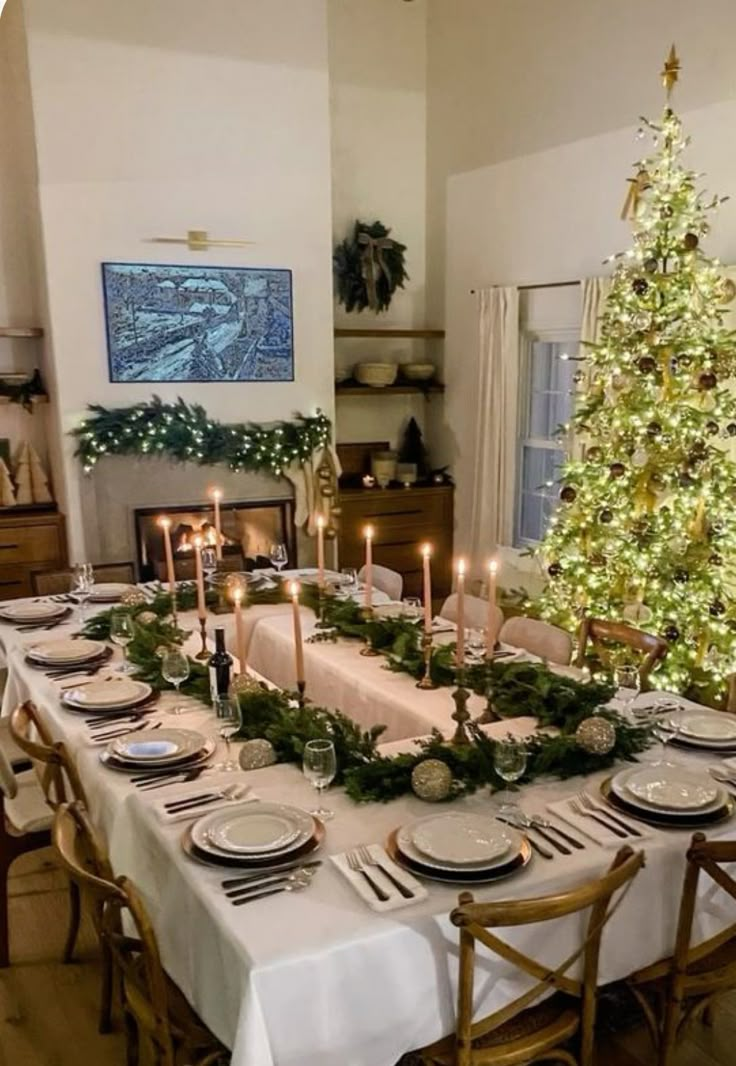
368 268
646 527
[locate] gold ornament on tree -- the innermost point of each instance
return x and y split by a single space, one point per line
596 735
431 780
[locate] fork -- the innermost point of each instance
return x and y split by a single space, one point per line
368 860
124 732
355 864
231 792
590 805
162 780
582 813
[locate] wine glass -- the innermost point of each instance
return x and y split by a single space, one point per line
412 606
175 670
627 682
209 561
122 631
350 583
666 729
278 555
509 762
83 579
320 766
229 721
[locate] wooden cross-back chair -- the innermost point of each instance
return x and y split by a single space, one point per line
58 582
60 783
681 989
155 1010
520 1032
599 632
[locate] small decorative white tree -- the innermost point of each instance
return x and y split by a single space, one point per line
7 493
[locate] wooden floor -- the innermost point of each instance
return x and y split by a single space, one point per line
48 1011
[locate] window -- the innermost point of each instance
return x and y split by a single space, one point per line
546 401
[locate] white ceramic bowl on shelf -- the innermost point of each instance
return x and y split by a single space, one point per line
377 375
418 371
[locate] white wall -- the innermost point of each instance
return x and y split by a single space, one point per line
550 216
156 118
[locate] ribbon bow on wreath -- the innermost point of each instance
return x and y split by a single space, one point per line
369 268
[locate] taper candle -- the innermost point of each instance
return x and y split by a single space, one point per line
426 550
491 634
460 652
216 495
199 574
239 629
294 589
368 533
165 524
321 551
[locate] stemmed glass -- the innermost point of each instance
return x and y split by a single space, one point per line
122 631
278 556
509 762
667 729
351 583
412 606
320 766
229 721
175 670
627 681
83 579
209 562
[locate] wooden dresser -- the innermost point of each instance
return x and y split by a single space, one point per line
403 520
34 540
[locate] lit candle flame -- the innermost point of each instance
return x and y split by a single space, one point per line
461 567
216 494
368 532
426 550
294 588
320 521
165 522
197 542
493 567
237 595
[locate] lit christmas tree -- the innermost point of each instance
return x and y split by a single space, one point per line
646 527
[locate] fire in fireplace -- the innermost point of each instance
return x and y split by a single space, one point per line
249 528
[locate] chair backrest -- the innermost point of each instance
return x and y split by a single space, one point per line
54 765
8 783
540 638
117 572
57 582
476 612
476 919
387 580
114 900
600 632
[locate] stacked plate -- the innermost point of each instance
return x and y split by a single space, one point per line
158 751
108 697
459 847
254 836
67 654
108 591
33 614
668 795
703 729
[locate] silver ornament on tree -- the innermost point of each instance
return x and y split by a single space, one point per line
431 780
255 754
596 735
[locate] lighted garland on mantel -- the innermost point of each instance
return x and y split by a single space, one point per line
185 432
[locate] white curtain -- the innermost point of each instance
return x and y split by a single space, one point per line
494 486
595 294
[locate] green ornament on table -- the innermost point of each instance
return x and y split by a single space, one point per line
431 780
257 753
596 735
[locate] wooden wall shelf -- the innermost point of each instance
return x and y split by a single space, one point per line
387 390
427 334
20 331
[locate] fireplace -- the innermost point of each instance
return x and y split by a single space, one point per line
249 527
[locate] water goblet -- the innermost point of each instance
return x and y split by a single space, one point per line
320 766
278 555
122 631
209 561
229 721
83 580
175 670
412 606
350 582
509 762
627 682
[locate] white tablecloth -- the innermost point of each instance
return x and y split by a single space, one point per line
318 979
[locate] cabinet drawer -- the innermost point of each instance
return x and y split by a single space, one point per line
14 583
32 544
404 507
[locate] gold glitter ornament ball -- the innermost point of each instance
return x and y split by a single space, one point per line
431 780
597 736
255 754
146 618
133 597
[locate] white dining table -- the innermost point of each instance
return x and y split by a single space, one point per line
317 978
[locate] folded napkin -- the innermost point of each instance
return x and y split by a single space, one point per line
364 890
171 795
594 830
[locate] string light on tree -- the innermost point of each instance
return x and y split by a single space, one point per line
646 519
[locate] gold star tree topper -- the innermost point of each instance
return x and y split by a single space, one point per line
671 70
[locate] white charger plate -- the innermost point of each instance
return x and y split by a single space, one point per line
113 693
108 591
32 612
671 789
112 762
715 727
254 829
157 747
407 847
460 838
62 651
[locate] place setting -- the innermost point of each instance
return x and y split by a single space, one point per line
29 616
158 755
669 796
108 591
67 657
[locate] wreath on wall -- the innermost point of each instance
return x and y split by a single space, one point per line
369 267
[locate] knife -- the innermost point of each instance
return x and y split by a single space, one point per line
285 886
264 881
534 845
192 801
250 879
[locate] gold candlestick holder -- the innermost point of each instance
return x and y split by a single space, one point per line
324 630
489 714
426 680
461 714
368 650
203 652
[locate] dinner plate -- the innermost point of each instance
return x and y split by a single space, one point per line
108 591
690 744
460 838
263 864
253 829
406 846
115 693
668 821
112 762
672 789
157 746
63 652
463 876
711 726
32 612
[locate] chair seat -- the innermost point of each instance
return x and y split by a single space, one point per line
27 811
189 1031
540 1028
9 748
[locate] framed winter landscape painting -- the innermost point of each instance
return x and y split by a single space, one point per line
198 323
